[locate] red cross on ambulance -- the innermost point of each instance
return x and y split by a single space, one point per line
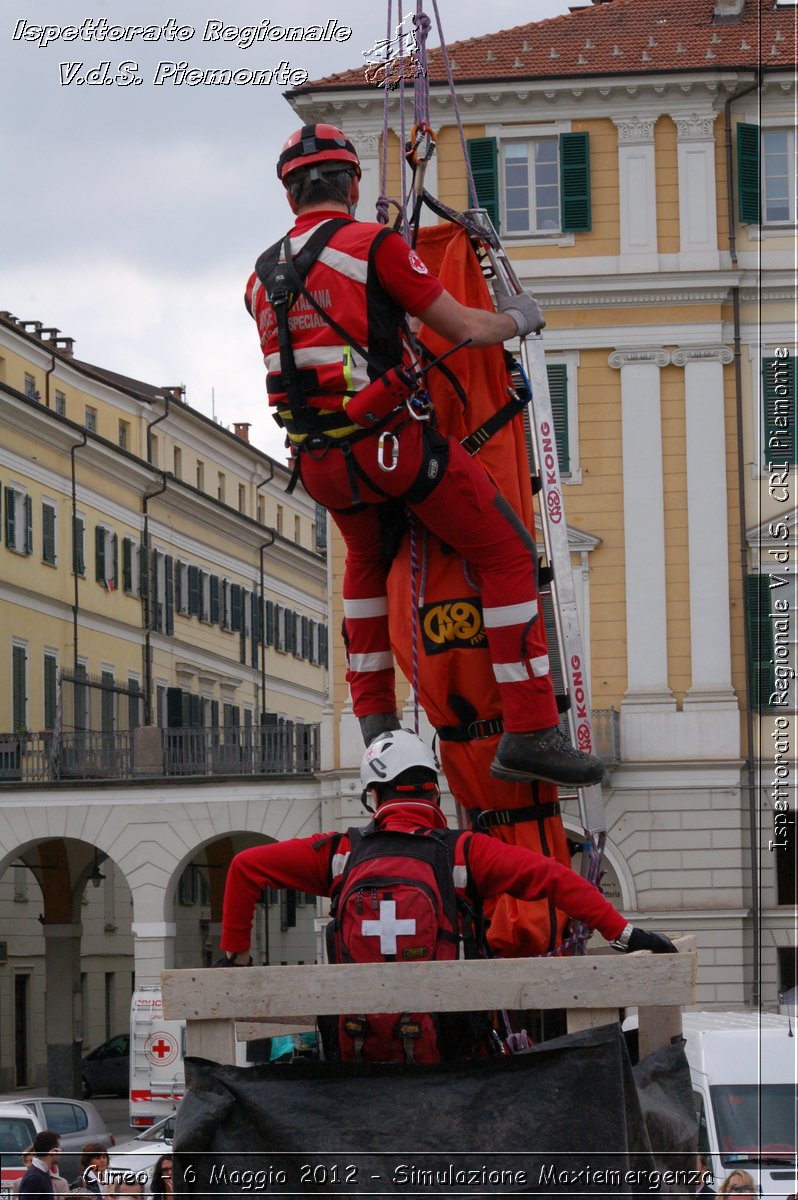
388 928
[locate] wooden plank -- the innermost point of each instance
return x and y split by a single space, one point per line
270 993
656 1025
215 1040
589 1018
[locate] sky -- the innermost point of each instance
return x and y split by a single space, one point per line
132 212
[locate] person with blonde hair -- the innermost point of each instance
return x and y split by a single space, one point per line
739 1183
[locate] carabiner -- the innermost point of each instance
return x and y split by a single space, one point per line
419 406
387 445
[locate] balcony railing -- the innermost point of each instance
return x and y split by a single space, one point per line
290 749
51 757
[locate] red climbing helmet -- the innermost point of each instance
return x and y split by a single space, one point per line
316 144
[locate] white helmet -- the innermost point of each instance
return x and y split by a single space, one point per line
393 752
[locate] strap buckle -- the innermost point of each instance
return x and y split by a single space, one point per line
419 406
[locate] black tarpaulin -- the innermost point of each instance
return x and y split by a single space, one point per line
565 1119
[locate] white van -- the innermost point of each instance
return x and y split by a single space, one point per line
157 1054
157 1058
743 1068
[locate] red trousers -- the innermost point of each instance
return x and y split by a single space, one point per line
465 510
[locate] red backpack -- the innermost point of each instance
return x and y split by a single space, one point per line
403 897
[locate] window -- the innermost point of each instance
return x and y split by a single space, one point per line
19 688
155 450
107 702
779 176
50 689
177 466
134 702
78 546
220 487
261 510
64 1118
771 613
280 519
530 180
30 387
48 533
242 498
298 530
778 399
535 184
200 474
106 558
124 435
60 403
131 567
19 520
205 596
90 419
320 527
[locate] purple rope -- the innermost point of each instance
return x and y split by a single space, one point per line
414 573
383 217
421 90
405 192
472 191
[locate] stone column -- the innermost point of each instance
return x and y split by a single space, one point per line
698 224
638 193
153 949
644 525
708 544
62 1008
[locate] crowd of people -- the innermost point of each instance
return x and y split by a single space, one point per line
43 1178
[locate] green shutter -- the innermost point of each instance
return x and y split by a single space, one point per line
127 564
748 178
484 159
11 518
19 677
99 553
759 633
28 525
107 702
48 536
50 691
78 560
169 595
575 214
778 398
193 591
214 599
558 389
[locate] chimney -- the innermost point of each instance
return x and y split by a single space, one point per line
241 430
729 11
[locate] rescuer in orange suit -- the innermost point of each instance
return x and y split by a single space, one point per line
330 301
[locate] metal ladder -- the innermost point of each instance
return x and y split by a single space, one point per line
545 469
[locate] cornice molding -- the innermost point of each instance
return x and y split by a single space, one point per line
687 354
634 357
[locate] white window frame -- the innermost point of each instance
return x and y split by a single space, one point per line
570 360
90 418
506 134
787 128
21 501
60 402
181 577
53 506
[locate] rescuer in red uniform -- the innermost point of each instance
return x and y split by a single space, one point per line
330 301
399 778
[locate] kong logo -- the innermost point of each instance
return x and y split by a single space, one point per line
452 625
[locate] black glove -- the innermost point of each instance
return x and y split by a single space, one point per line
657 943
231 962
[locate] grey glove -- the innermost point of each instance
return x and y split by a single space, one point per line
524 310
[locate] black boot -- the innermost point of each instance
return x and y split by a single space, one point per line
545 754
376 723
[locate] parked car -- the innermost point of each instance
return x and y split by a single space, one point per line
18 1128
141 1153
106 1070
75 1122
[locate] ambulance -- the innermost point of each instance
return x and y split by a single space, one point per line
157 1056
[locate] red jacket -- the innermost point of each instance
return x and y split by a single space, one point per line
366 278
496 868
